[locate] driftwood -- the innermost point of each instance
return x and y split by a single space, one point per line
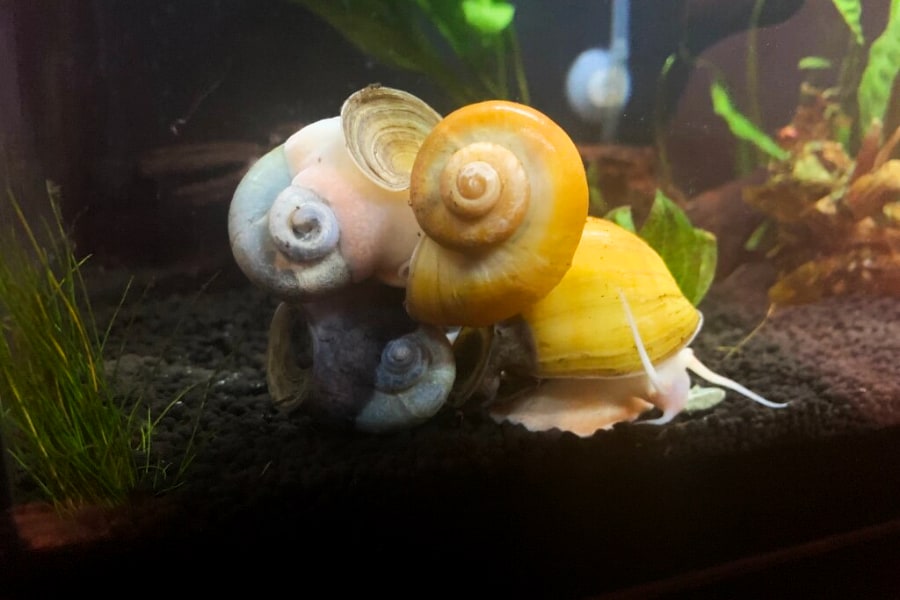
203 173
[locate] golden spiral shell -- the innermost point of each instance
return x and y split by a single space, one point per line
580 329
500 191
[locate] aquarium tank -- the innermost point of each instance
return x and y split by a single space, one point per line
596 298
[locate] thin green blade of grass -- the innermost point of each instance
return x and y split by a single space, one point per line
64 429
880 72
741 127
851 11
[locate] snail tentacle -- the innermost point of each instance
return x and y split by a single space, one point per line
671 383
711 376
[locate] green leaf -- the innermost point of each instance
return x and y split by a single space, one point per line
880 72
814 63
741 127
490 17
850 10
392 33
621 216
689 252
703 398
809 169
759 235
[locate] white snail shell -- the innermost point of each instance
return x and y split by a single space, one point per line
306 222
384 128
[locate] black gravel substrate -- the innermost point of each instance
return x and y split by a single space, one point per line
711 503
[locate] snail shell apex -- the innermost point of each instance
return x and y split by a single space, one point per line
579 329
500 192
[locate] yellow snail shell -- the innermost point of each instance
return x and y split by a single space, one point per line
608 343
500 192
384 128
609 259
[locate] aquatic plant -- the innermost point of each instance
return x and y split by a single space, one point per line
690 253
833 222
873 86
833 194
469 48
62 424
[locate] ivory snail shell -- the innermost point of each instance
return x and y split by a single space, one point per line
307 221
357 361
384 128
500 192
608 343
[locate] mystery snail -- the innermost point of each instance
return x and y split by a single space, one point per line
608 343
306 220
357 361
500 192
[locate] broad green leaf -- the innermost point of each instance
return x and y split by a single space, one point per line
689 252
850 10
621 216
397 34
741 127
814 63
880 72
490 17
379 29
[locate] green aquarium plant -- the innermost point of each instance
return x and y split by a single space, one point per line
468 48
832 199
689 252
833 203
65 430
863 89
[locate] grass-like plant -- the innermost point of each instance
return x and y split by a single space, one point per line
62 425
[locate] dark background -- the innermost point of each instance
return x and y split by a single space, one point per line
92 89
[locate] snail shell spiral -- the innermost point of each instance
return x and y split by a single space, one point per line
500 192
384 128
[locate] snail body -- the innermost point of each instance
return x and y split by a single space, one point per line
608 343
356 361
500 193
